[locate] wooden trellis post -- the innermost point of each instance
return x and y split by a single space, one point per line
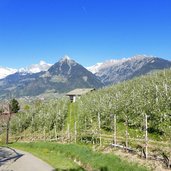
62 133
126 133
114 129
75 131
68 132
55 132
146 136
44 133
99 123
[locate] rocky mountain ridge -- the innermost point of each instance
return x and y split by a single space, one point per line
115 71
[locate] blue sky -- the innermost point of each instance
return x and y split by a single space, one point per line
89 31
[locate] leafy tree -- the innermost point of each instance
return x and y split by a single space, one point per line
14 106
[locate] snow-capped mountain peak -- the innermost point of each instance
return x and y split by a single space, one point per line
95 68
6 71
35 68
68 60
102 65
66 57
114 71
107 64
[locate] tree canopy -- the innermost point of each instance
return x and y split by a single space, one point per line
14 106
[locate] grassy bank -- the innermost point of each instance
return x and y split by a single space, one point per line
56 159
61 156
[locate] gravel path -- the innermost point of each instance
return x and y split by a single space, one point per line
16 160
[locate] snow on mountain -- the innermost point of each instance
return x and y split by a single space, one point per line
66 57
6 71
95 68
64 76
114 71
35 68
109 63
103 65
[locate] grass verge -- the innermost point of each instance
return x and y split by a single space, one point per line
56 159
56 154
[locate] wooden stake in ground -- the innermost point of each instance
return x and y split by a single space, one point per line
75 131
55 132
114 129
146 137
99 123
62 133
68 131
44 133
126 133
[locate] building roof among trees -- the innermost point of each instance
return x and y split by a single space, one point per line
79 92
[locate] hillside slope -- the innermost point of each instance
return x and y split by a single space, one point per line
132 99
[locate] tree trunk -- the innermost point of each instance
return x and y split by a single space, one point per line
7 132
8 124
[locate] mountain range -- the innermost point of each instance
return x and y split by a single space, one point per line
67 74
35 68
61 77
114 71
